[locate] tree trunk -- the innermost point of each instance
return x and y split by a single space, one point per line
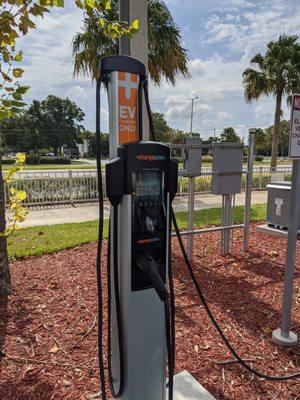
276 130
5 281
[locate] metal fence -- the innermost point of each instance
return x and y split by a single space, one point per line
262 176
68 187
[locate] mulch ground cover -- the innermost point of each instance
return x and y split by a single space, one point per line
48 330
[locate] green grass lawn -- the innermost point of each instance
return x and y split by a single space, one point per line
49 239
78 165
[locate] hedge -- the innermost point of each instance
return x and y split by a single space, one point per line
8 161
34 159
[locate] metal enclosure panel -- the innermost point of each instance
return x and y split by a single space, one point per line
227 168
192 156
144 327
278 206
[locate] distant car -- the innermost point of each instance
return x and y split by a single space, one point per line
49 154
10 155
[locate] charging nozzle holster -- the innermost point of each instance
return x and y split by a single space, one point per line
115 180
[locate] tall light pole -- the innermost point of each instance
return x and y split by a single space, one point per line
192 113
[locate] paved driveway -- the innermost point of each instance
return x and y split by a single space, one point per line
88 212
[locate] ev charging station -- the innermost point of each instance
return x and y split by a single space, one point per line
141 183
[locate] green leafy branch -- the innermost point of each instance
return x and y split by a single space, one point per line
16 197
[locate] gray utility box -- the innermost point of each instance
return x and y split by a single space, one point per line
227 168
192 156
278 208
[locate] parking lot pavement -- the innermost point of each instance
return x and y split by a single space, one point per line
65 214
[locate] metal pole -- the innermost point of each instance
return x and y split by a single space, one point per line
249 188
137 46
71 186
191 217
192 116
227 212
124 15
283 335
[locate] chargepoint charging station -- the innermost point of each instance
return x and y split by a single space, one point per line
141 182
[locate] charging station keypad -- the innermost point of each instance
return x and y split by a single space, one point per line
148 223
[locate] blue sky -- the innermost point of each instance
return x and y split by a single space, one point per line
221 36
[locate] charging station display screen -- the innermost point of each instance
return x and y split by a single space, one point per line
148 186
147 201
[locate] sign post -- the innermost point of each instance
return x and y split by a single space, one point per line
283 335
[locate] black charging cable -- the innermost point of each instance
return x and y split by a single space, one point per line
149 112
115 394
214 322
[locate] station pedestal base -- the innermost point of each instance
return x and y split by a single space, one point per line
187 388
278 338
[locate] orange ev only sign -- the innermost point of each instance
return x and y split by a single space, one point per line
128 100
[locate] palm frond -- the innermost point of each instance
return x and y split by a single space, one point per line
255 84
167 58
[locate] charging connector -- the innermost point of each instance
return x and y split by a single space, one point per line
147 264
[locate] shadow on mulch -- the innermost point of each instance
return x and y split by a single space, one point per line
14 390
20 315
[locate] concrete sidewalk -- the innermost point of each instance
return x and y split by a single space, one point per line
65 214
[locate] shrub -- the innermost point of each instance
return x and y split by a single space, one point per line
8 161
258 158
32 159
55 160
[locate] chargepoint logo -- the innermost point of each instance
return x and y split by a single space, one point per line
148 241
150 157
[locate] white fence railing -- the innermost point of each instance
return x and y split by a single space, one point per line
71 186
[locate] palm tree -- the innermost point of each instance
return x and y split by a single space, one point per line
167 58
277 74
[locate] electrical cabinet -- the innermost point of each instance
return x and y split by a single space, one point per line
192 155
227 168
278 207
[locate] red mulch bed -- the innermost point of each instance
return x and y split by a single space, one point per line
54 305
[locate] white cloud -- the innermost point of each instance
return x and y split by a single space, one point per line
248 29
216 82
77 92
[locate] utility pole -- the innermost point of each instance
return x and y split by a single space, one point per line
192 113
214 133
137 46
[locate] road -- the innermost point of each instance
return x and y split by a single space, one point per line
82 212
